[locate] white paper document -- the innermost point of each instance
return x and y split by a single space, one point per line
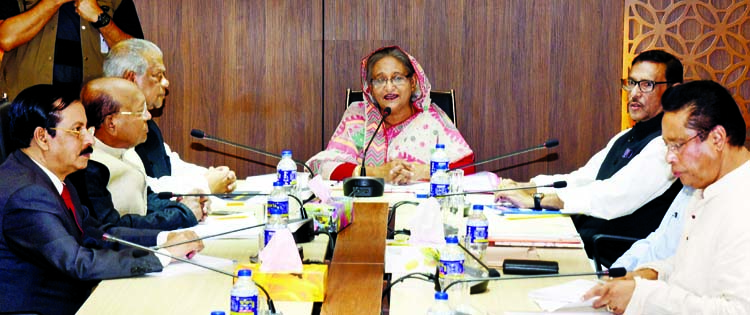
566 295
178 268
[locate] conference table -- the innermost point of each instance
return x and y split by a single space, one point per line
355 276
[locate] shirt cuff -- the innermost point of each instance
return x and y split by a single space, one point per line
161 238
643 289
164 260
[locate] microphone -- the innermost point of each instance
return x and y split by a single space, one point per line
491 272
303 230
295 222
363 185
551 143
96 233
613 272
558 184
197 133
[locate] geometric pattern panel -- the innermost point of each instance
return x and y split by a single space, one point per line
711 38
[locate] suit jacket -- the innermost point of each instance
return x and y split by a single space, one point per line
47 264
161 214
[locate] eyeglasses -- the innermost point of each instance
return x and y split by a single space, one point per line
397 80
644 85
79 132
675 148
143 114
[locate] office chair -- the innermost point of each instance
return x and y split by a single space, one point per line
5 143
446 100
606 240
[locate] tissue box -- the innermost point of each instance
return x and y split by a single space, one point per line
333 216
306 287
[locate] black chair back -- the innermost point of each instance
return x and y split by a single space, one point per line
5 143
446 100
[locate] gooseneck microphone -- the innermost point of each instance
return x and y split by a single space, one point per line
557 184
96 233
197 133
551 143
363 185
170 195
613 272
295 221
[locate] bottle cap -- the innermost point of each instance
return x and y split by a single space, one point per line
218 313
439 296
286 153
440 146
478 207
278 184
244 273
423 196
451 239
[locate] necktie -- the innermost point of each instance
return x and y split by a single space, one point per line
69 203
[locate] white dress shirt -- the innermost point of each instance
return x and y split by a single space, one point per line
662 243
185 178
644 178
127 178
709 273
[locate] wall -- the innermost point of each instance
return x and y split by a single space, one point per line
524 71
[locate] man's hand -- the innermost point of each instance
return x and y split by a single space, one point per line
89 10
184 250
198 205
221 179
614 295
522 198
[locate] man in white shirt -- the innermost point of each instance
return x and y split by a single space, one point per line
141 62
626 188
704 132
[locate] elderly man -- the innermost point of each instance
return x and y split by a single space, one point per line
626 188
113 185
704 133
49 262
141 61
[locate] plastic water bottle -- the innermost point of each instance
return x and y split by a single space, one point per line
452 268
218 313
440 183
477 232
440 306
279 199
439 159
287 172
244 294
275 223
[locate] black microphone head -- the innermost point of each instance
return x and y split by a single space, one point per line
165 195
617 272
551 143
196 133
560 184
492 272
386 111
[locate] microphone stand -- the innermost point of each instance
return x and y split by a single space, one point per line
363 185
551 143
558 184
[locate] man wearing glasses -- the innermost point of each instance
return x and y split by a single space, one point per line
49 261
626 188
113 185
705 133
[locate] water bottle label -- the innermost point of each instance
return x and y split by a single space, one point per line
434 166
288 177
476 234
267 235
439 189
449 268
243 305
280 207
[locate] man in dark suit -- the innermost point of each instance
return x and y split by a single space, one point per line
49 260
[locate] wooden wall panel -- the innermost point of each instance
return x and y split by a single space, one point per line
246 71
523 71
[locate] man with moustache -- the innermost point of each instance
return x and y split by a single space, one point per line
113 185
141 61
704 133
50 263
626 188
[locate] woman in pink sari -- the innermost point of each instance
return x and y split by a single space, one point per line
400 152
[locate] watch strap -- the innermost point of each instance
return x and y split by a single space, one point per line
102 20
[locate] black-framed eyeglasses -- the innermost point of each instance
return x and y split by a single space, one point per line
675 148
397 80
644 85
79 132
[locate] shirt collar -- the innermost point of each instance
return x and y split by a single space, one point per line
116 152
733 178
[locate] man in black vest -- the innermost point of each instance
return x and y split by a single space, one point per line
626 188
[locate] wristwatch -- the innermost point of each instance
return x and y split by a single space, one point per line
538 201
102 20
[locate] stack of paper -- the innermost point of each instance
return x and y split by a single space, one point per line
566 295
